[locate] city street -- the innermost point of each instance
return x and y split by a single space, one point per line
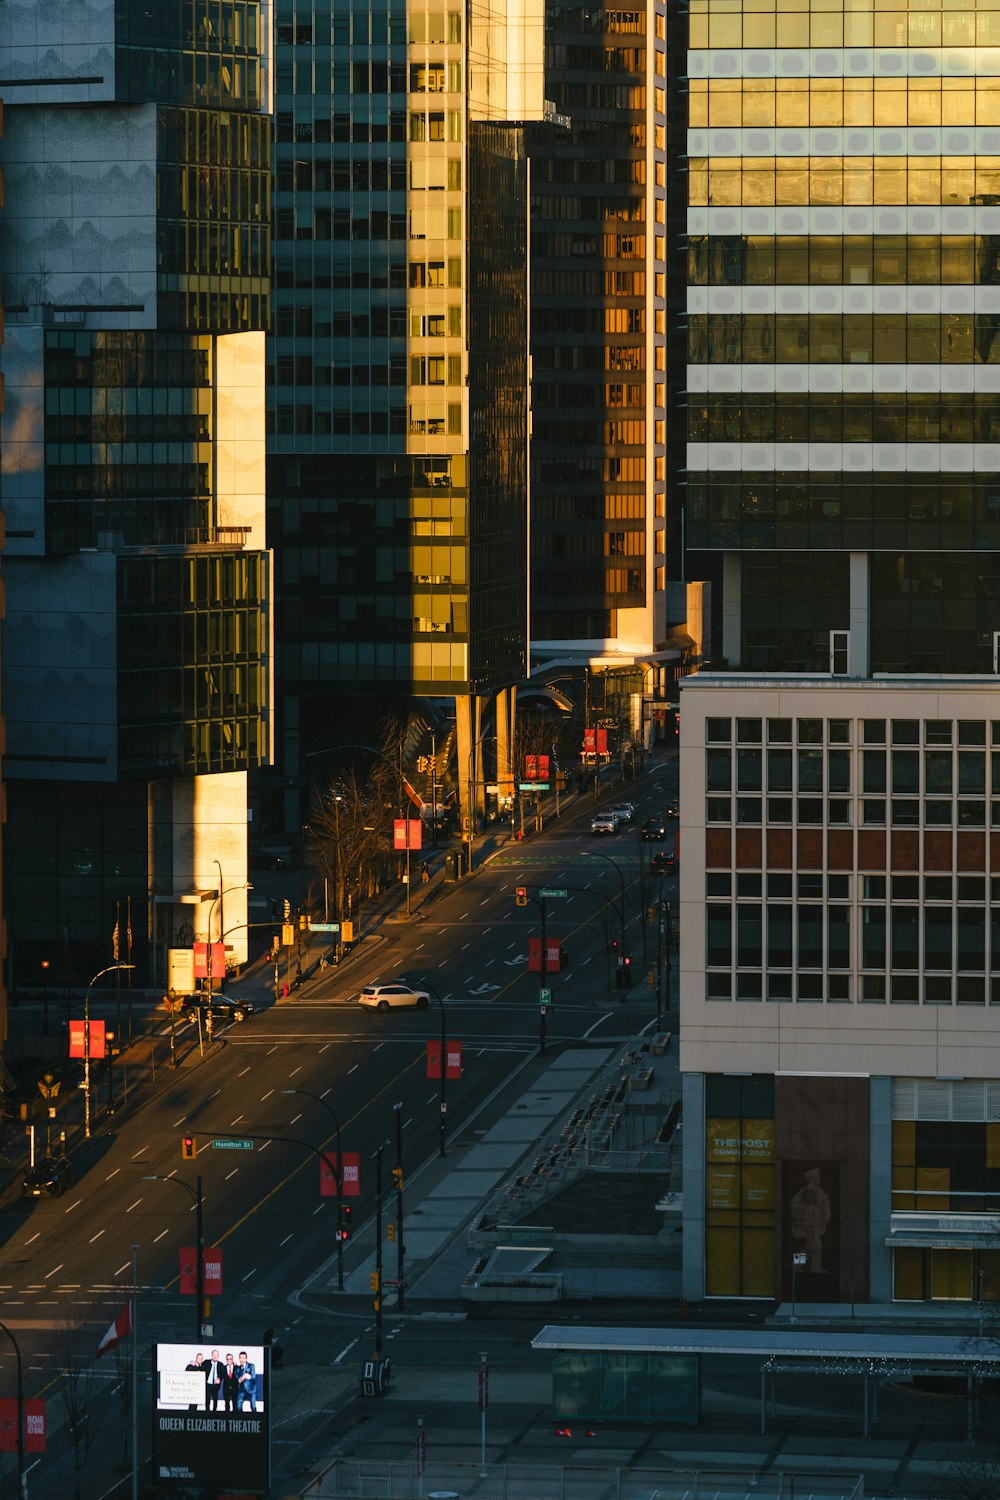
67 1260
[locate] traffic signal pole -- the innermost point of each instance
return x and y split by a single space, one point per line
377 1282
200 1269
398 1176
542 975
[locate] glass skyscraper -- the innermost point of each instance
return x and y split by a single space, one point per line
399 366
844 311
135 271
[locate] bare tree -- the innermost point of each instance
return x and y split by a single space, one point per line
75 1359
123 1390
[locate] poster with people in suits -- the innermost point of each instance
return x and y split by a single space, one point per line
211 1413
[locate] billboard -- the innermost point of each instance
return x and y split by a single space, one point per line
211 1419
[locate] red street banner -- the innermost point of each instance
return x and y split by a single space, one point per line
204 953
590 741
453 1060
351 1170
77 1039
8 1425
536 768
399 833
602 742
34 1426
212 1273
212 1278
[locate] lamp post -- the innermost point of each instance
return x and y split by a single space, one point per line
86 1041
196 1196
220 893
595 854
21 1488
45 997
338 1175
442 1100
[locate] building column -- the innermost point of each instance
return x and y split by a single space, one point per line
506 710
732 569
879 1189
468 714
693 1178
859 664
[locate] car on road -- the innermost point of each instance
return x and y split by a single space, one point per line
653 828
604 822
48 1178
673 810
663 863
624 811
391 996
219 1007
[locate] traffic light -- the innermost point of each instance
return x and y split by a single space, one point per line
345 1222
520 895
423 763
303 922
374 1281
626 971
397 1177
189 1149
392 1230
286 907
614 948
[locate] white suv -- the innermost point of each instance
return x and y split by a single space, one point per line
389 996
604 822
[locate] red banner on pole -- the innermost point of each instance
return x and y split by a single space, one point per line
77 1039
536 768
590 741
209 960
34 1426
351 1172
406 827
8 1425
189 1271
212 1277
453 1060
602 742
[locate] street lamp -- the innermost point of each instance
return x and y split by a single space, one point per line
595 854
220 893
21 1487
86 1041
339 1177
195 1193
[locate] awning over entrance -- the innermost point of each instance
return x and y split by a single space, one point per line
940 1240
898 1349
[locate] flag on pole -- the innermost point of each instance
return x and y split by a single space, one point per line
128 927
120 1329
115 935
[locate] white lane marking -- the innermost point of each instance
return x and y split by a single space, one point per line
268 1094
442 930
510 946
286 1239
318 1209
408 1122
112 1174
486 901
346 1350
72 1206
488 962
33 1237
329 1090
295 1120
53 1272
160 1236
466 945
97 1236
270 1050
232 1173
294 1071
139 1153
585 961
250 1273
133 1205
263 1145
244 1073
379 1047
323 1049
237 1120
354 1069
216 1094
184 1117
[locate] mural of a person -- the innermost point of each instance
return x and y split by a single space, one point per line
810 1217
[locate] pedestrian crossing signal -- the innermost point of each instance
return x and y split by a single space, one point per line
189 1148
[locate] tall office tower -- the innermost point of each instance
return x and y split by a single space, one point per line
398 469
3 800
840 843
134 267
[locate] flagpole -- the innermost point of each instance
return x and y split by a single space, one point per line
118 982
128 934
135 1373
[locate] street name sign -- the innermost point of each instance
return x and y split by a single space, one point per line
228 1143
552 891
324 926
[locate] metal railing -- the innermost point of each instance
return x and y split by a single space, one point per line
354 1479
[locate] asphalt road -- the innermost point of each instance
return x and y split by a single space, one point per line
64 1263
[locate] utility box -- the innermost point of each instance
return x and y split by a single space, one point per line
375 1376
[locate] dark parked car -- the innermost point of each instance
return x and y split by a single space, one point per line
663 863
653 828
48 1178
673 810
221 1009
